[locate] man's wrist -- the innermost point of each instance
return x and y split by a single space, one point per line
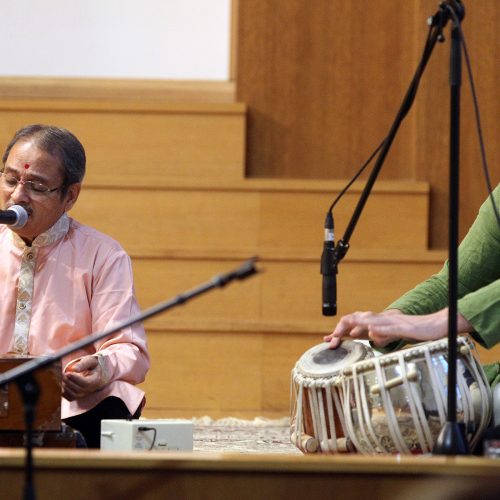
103 365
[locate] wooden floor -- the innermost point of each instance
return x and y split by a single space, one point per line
91 474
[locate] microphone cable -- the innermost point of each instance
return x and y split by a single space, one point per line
412 91
477 116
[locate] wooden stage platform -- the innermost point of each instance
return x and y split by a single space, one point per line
75 475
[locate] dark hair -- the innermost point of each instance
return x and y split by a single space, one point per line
59 143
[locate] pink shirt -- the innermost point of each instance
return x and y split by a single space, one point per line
72 281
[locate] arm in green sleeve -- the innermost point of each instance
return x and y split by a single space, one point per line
478 280
482 309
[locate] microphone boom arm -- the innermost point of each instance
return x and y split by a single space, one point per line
244 271
438 22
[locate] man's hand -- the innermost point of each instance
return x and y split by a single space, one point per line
384 328
82 378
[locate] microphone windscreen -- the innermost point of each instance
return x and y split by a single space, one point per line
22 216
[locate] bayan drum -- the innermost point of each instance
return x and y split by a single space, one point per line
398 402
317 420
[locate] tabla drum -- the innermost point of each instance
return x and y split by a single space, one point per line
397 403
317 417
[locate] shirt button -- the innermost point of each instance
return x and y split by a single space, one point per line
30 256
22 305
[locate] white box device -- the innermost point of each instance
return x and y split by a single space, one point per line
145 435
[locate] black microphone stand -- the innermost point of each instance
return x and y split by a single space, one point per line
451 440
23 374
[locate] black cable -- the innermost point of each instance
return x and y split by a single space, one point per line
358 173
412 91
484 161
146 429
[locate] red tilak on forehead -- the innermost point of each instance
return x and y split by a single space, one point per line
26 166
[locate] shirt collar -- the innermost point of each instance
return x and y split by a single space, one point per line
53 234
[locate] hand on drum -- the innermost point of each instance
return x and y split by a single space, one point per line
388 326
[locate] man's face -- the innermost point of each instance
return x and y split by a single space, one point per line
26 162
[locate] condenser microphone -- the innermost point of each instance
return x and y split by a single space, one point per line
329 269
15 216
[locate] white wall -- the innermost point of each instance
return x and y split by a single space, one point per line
163 39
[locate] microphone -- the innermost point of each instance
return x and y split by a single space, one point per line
329 269
15 216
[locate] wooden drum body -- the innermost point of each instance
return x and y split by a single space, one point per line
317 416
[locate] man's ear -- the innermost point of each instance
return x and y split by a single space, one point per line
72 195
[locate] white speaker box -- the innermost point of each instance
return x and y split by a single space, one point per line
145 435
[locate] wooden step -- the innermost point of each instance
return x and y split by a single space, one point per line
246 216
151 139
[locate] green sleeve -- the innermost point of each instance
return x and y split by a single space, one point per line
482 309
478 279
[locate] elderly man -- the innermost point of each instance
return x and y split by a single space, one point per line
61 281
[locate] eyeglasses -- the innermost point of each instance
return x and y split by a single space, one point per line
10 182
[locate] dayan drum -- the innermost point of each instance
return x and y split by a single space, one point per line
317 419
398 402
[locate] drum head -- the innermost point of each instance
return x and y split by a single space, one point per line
321 361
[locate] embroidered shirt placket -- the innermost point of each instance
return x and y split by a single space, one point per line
24 300
27 279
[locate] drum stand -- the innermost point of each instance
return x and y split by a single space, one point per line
23 374
451 440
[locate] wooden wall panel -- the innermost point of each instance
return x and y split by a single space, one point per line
323 82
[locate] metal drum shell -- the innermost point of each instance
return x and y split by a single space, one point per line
396 403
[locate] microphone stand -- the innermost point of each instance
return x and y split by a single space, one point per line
451 440
23 374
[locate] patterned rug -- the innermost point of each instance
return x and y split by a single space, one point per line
234 435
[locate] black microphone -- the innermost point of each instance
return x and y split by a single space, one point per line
329 269
15 216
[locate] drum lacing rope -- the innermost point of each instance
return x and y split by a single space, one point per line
340 409
298 409
463 395
392 423
360 407
366 406
346 393
479 377
314 407
437 388
416 409
329 388
313 404
322 429
314 388
486 397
